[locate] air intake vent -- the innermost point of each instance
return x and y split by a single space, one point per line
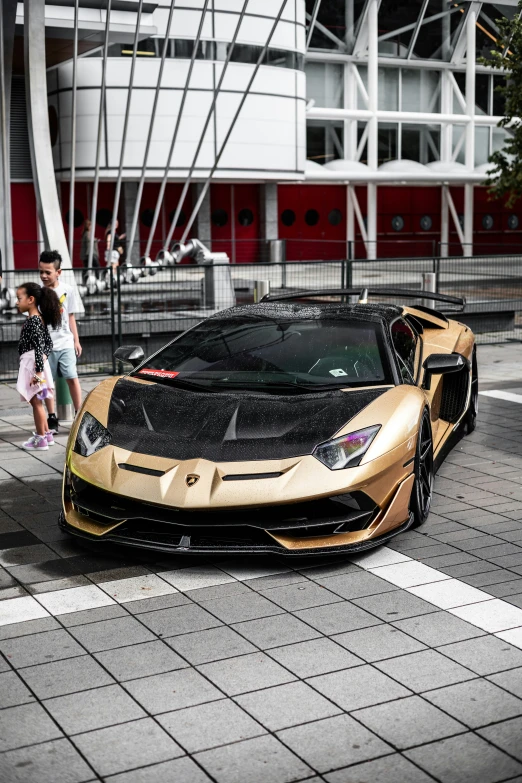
19 139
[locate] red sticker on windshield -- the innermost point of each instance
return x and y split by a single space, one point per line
158 373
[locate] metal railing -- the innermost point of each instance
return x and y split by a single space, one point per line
149 305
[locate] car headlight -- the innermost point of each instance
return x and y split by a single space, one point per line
91 436
346 451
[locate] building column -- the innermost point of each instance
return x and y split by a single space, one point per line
373 102
130 194
49 212
268 211
202 228
471 20
7 32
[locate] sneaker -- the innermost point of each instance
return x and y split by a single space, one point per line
49 437
36 443
53 423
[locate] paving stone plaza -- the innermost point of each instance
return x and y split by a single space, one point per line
402 665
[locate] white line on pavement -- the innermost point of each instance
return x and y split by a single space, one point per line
499 394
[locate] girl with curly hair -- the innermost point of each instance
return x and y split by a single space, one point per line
35 380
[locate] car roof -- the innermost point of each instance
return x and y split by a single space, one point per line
373 312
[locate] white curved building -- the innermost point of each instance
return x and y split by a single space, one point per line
349 128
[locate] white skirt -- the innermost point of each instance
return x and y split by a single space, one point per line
24 387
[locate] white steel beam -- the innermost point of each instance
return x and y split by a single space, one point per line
373 128
470 127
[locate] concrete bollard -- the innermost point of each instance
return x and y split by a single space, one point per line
429 283
64 403
261 288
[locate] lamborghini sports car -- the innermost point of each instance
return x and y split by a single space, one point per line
303 424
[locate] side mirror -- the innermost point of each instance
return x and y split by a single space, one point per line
441 364
132 354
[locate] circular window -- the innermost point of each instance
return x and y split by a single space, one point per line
220 217
53 125
103 217
288 217
182 218
77 218
335 217
513 221
311 217
146 217
426 222
397 223
487 222
245 217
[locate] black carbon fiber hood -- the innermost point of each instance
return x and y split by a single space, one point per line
168 422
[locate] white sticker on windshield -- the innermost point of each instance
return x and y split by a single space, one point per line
337 373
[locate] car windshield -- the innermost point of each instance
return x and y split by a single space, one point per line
273 354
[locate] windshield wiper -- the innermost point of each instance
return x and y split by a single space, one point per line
192 385
274 385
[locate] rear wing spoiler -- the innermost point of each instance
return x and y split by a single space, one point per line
364 293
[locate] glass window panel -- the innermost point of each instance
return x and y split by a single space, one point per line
363 73
482 90
360 130
438 30
499 138
387 142
481 145
324 141
420 143
460 78
389 89
499 102
457 136
337 24
324 84
420 90
487 28
397 21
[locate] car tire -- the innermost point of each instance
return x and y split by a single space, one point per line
470 417
422 492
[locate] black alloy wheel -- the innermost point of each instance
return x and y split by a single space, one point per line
470 417
422 491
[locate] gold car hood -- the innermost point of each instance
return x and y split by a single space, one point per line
176 423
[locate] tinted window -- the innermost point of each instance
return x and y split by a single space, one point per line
315 352
405 344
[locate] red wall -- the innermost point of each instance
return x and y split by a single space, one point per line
25 225
324 240
232 199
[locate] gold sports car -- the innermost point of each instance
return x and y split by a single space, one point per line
291 427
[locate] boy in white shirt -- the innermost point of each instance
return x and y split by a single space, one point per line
66 343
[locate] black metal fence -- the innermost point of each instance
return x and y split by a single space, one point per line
149 305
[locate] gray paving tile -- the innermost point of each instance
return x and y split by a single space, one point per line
337 618
210 725
109 634
485 655
356 585
93 709
378 642
438 628
394 605
476 703
203 594
408 722
179 620
388 769
334 742
172 691
252 761
245 606
300 595
212 645
40 648
129 745
262 583
287 705
276 631
425 670
464 759
13 691
360 687
506 736
246 673
318 656
509 680
50 762
153 604
140 660
183 770
14 723
92 615
66 676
